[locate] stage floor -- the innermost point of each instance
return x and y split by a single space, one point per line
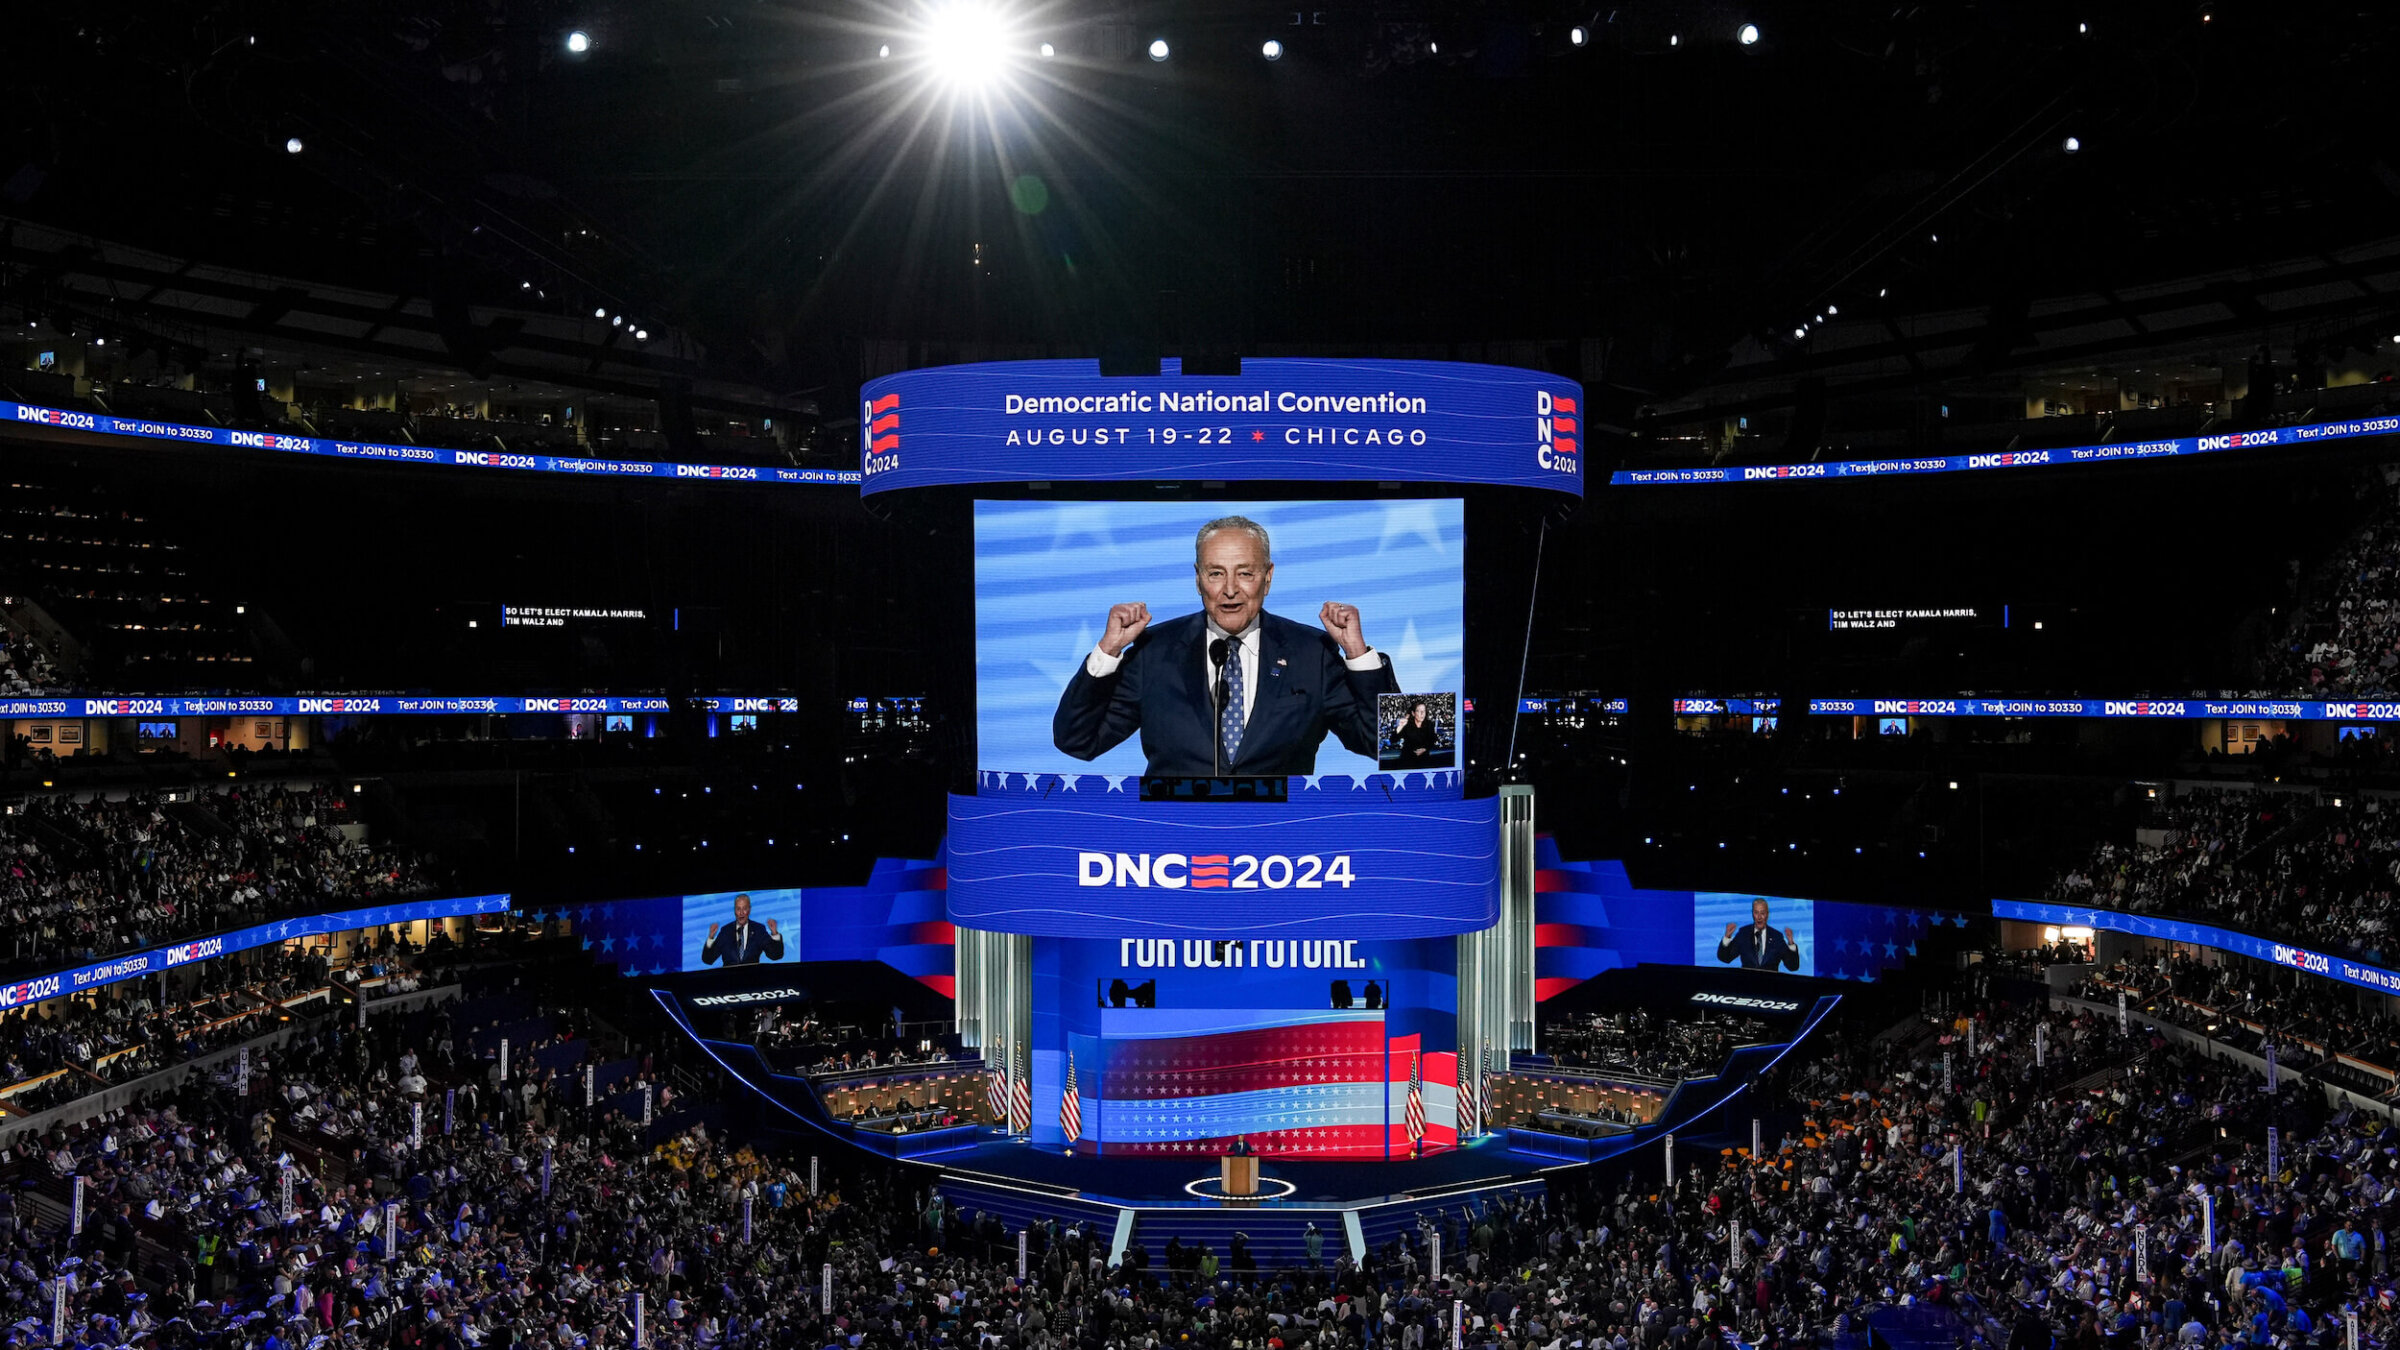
1157 1182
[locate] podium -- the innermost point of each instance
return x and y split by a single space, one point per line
1240 1174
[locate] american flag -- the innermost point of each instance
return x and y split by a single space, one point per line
1070 1108
1416 1101
1020 1099
999 1094
1470 1110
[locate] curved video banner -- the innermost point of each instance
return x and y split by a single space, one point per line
160 959
419 456
1284 419
2166 928
1114 866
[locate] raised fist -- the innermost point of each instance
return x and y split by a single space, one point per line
775 926
712 932
1342 622
1730 930
1125 623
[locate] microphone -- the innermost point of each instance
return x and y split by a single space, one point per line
1218 693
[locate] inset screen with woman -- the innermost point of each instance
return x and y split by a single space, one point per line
1416 731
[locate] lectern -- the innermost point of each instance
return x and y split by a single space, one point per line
1240 1173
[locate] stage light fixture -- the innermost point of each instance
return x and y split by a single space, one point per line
1579 35
1833 309
1749 35
1800 332
1048 51
2071 145
579 42
1272 49
641 335
601 313
1158 49
1674 39
883 51
617 322
967 43
293 146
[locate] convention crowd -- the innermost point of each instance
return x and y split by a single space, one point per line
2342 640
2320 872
539 1220
84 879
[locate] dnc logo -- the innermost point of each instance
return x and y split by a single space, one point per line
1556 432
882 434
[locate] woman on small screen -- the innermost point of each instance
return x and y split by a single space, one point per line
1419 738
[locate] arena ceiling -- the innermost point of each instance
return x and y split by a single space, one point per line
1655 206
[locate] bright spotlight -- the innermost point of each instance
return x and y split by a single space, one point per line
1158 49
1674 39
883 51
600 313
1800 332
1579 35
1749 35
579 42
1048 51
2071 145
1833 309
293 146
966 43
1272 49
641 335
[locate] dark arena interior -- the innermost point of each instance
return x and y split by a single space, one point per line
629 631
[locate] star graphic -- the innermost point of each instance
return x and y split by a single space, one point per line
1258 435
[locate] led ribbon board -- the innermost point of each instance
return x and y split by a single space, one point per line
1281 420
330 705
161 959
2168 929
428 456
2015 459
2292 709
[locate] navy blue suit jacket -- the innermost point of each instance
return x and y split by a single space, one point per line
1162 690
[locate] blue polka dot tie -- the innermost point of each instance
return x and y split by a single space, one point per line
1229 729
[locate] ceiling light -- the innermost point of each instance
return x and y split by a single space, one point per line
1158 49
967 42
1749 35
1048 51
600 313
579 42
293 146
1579 35
2071 145
1272 49
880 52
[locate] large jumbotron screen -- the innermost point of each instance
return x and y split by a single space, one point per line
1049 573
1301 1039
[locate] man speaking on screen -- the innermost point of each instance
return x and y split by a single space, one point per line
1231 689
1759 946
744 942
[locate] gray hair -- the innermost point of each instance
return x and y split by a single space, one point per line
1242 523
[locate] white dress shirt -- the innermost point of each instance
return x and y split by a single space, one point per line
1100 665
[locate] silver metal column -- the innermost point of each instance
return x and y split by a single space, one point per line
1495 966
